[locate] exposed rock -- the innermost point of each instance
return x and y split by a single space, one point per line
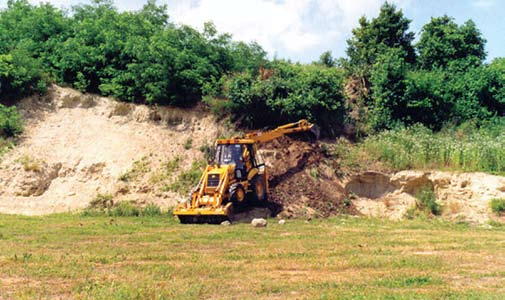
85 152
412 182
282 222
259 222
32 181
225 223
372 185
463 196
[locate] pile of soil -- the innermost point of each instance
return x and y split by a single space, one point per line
302 179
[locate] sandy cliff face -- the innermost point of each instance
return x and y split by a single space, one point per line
463 196
76 146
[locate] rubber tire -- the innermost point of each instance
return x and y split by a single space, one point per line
184 219
259 199
233 192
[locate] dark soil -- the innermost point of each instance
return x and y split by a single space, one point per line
302 180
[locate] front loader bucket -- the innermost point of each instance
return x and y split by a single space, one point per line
203 219
210 215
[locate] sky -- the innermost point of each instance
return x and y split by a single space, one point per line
300 30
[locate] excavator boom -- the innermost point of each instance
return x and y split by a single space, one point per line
300 126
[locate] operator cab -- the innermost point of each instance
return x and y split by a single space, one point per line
243 156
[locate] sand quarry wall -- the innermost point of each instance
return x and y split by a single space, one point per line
76 146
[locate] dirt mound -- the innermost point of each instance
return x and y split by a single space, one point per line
302 179
463 196
76 146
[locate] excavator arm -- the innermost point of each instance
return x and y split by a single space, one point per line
300 126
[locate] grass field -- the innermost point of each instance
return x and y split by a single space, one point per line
71 256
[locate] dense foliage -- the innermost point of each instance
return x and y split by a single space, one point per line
10 121
446 83
292 92
141 56
133 56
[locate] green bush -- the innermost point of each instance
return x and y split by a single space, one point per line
292 92
187 179
124 209
427 201
188 144
11 123
498 205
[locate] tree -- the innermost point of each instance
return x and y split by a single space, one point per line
293 92
443 41
372 38
327 60
388 87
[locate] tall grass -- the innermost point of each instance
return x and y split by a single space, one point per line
465 148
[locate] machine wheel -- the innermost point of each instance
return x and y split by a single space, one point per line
237 193
258 186
184 219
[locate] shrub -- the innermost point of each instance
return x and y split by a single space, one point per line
140 167
188 144
5 145
498 205
124 209
219 107
207 151
101 202
427 201
30 164
11 123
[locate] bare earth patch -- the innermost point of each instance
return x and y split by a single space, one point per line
76 146
463 196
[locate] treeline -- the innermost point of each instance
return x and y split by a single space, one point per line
440 79
134 56
385 81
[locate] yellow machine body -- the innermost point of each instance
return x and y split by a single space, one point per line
236 178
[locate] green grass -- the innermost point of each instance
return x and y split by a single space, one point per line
139 168
188 144
5 146
465 148
498 205
187 179
103 205
74 257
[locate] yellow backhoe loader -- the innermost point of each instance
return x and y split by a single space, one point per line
237 177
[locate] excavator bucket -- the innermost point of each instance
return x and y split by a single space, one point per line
315 131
